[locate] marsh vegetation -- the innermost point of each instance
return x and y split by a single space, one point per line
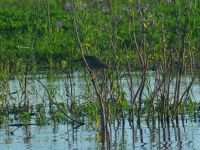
151 51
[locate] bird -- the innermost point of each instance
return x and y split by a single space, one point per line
92 62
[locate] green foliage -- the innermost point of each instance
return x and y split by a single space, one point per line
59 117
25 117
40 119
40 108
191 107
36 40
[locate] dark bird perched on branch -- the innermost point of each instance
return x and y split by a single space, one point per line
93 63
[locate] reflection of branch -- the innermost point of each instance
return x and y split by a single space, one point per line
22 124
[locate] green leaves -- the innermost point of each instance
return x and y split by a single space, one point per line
64 63
25 118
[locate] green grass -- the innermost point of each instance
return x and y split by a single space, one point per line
105 34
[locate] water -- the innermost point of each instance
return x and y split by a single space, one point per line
184 136
37 93
58 136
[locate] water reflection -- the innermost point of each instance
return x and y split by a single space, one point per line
176 135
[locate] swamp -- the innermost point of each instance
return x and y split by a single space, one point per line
99 74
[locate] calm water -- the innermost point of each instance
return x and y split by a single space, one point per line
37 93
185 135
